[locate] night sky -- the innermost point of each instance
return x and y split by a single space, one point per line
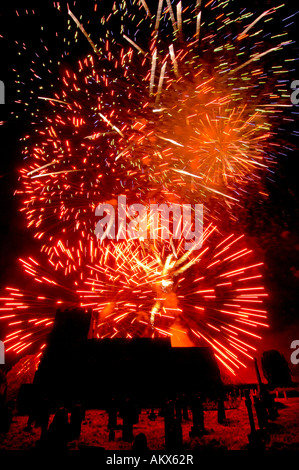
272 226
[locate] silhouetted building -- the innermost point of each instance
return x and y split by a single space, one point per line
75 369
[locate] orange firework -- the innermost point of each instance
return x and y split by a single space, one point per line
212 296
185 114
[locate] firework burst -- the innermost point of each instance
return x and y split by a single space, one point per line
127 120
155 117
29 312
212 296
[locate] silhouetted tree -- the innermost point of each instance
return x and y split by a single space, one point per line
276 369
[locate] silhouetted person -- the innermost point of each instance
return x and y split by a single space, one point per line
276 369
248 404
129 417
140 444
43 418
6 417
112 415
261 413
268 401
58 432
169 412
76 419
111 435
173 435
39 415
33 415
173 427
198 416
185 407
178 409
220 410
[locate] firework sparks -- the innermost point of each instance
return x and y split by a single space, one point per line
29 313
103 133
213 296
161 118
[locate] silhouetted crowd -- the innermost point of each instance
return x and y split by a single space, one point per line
67 422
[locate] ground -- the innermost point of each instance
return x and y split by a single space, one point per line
232 435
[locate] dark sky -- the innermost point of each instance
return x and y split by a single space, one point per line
273 227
